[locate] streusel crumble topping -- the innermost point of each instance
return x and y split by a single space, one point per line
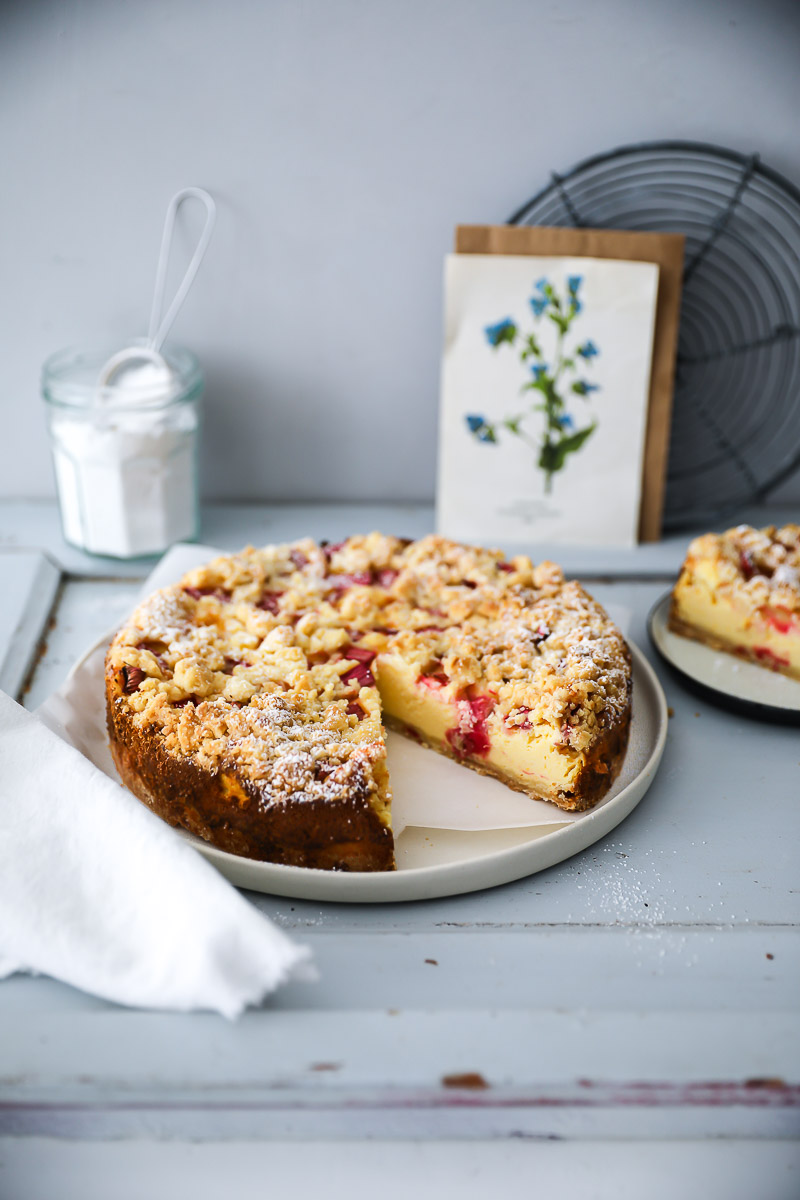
265 661
762 564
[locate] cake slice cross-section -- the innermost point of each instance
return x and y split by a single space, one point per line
535 690
739 592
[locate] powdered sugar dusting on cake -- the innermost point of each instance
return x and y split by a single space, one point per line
762 564
267 690
162 617
287 754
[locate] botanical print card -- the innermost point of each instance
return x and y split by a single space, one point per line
545 384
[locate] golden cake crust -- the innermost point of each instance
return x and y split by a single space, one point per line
242 705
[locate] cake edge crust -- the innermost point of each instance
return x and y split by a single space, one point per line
218 807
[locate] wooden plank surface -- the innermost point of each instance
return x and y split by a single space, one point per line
29 584
39 1168
644 989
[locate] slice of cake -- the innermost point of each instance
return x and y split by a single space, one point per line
740 592
246 702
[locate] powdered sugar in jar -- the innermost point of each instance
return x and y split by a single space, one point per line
125 452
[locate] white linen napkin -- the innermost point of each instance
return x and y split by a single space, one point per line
95 890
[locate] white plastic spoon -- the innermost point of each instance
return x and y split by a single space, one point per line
142 370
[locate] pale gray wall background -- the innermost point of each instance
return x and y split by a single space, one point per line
342 140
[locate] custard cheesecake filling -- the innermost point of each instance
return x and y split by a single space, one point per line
470 728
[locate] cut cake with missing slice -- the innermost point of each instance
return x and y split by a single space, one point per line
245 702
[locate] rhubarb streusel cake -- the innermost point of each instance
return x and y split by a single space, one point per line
247 702
740 592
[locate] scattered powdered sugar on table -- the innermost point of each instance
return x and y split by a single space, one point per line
630 891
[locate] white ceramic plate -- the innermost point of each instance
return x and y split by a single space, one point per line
437 862
724 676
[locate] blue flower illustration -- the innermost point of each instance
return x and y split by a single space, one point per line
503 331
561 435
480 427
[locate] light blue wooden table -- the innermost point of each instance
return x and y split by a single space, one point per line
628 1011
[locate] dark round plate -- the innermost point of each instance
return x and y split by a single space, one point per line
723 678
737 388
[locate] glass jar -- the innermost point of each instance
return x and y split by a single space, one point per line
125 452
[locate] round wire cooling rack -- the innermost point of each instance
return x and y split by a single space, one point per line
736 414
